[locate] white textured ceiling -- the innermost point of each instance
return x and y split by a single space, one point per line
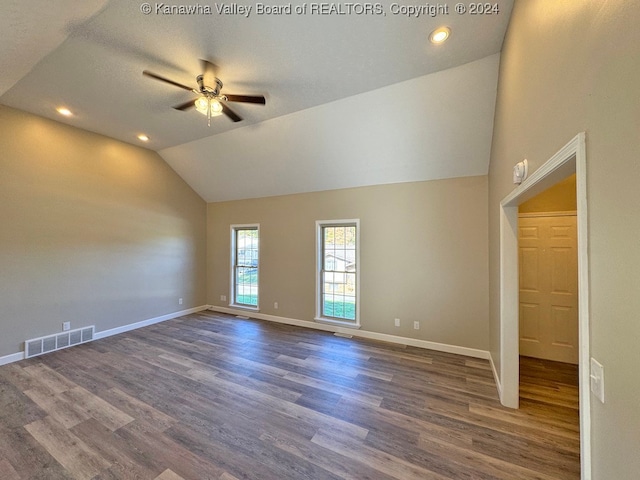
297 61
425 133
34 28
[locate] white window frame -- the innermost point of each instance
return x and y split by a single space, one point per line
232 288
319 258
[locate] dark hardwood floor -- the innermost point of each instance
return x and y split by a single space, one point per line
211 396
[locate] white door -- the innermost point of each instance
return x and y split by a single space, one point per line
548 287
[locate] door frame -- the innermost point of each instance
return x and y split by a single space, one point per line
568 160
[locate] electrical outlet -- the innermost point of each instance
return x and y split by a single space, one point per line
275 305
397 322
179 301
223 298
416 325
66 326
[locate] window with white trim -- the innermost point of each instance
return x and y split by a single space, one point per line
245 261
338 276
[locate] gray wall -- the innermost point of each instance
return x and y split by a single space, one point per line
423 255
566 67
94 231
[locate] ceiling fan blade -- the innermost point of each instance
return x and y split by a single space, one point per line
246 98
230 113
166 80
209 71
186 105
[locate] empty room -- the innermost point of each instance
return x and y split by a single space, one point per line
319 240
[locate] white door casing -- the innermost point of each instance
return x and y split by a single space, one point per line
568 160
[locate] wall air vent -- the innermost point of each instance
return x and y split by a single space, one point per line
58 341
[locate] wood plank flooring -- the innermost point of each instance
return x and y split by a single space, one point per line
211 396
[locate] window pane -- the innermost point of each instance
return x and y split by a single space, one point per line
245 270
351 237
246 286
339 272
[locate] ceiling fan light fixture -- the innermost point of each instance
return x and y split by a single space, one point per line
210 102
202 105
216 107
208 106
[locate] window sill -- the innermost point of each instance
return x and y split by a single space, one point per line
339 323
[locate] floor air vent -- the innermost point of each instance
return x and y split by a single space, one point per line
58 341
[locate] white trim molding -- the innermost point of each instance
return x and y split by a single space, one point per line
16 357
345 324
146 323
568 160
548 214
13 357
496 376
413 342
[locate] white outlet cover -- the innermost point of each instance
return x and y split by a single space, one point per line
397 322
416 325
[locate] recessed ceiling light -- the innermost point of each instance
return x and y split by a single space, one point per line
64 111
439 35
143 137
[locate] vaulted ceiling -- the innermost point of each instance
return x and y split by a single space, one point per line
352 99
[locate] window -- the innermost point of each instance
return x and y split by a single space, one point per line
337 272
245 243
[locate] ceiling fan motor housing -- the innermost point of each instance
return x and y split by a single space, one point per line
207 89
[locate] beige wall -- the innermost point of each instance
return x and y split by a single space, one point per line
94 231
570 66
559 198
423 255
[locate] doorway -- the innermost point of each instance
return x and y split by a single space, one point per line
548 307
548 274
567 161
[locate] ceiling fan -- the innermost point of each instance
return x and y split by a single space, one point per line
210 101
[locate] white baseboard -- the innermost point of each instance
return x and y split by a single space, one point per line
495 376
414 342
15 357
146 323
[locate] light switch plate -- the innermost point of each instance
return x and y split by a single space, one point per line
597 379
